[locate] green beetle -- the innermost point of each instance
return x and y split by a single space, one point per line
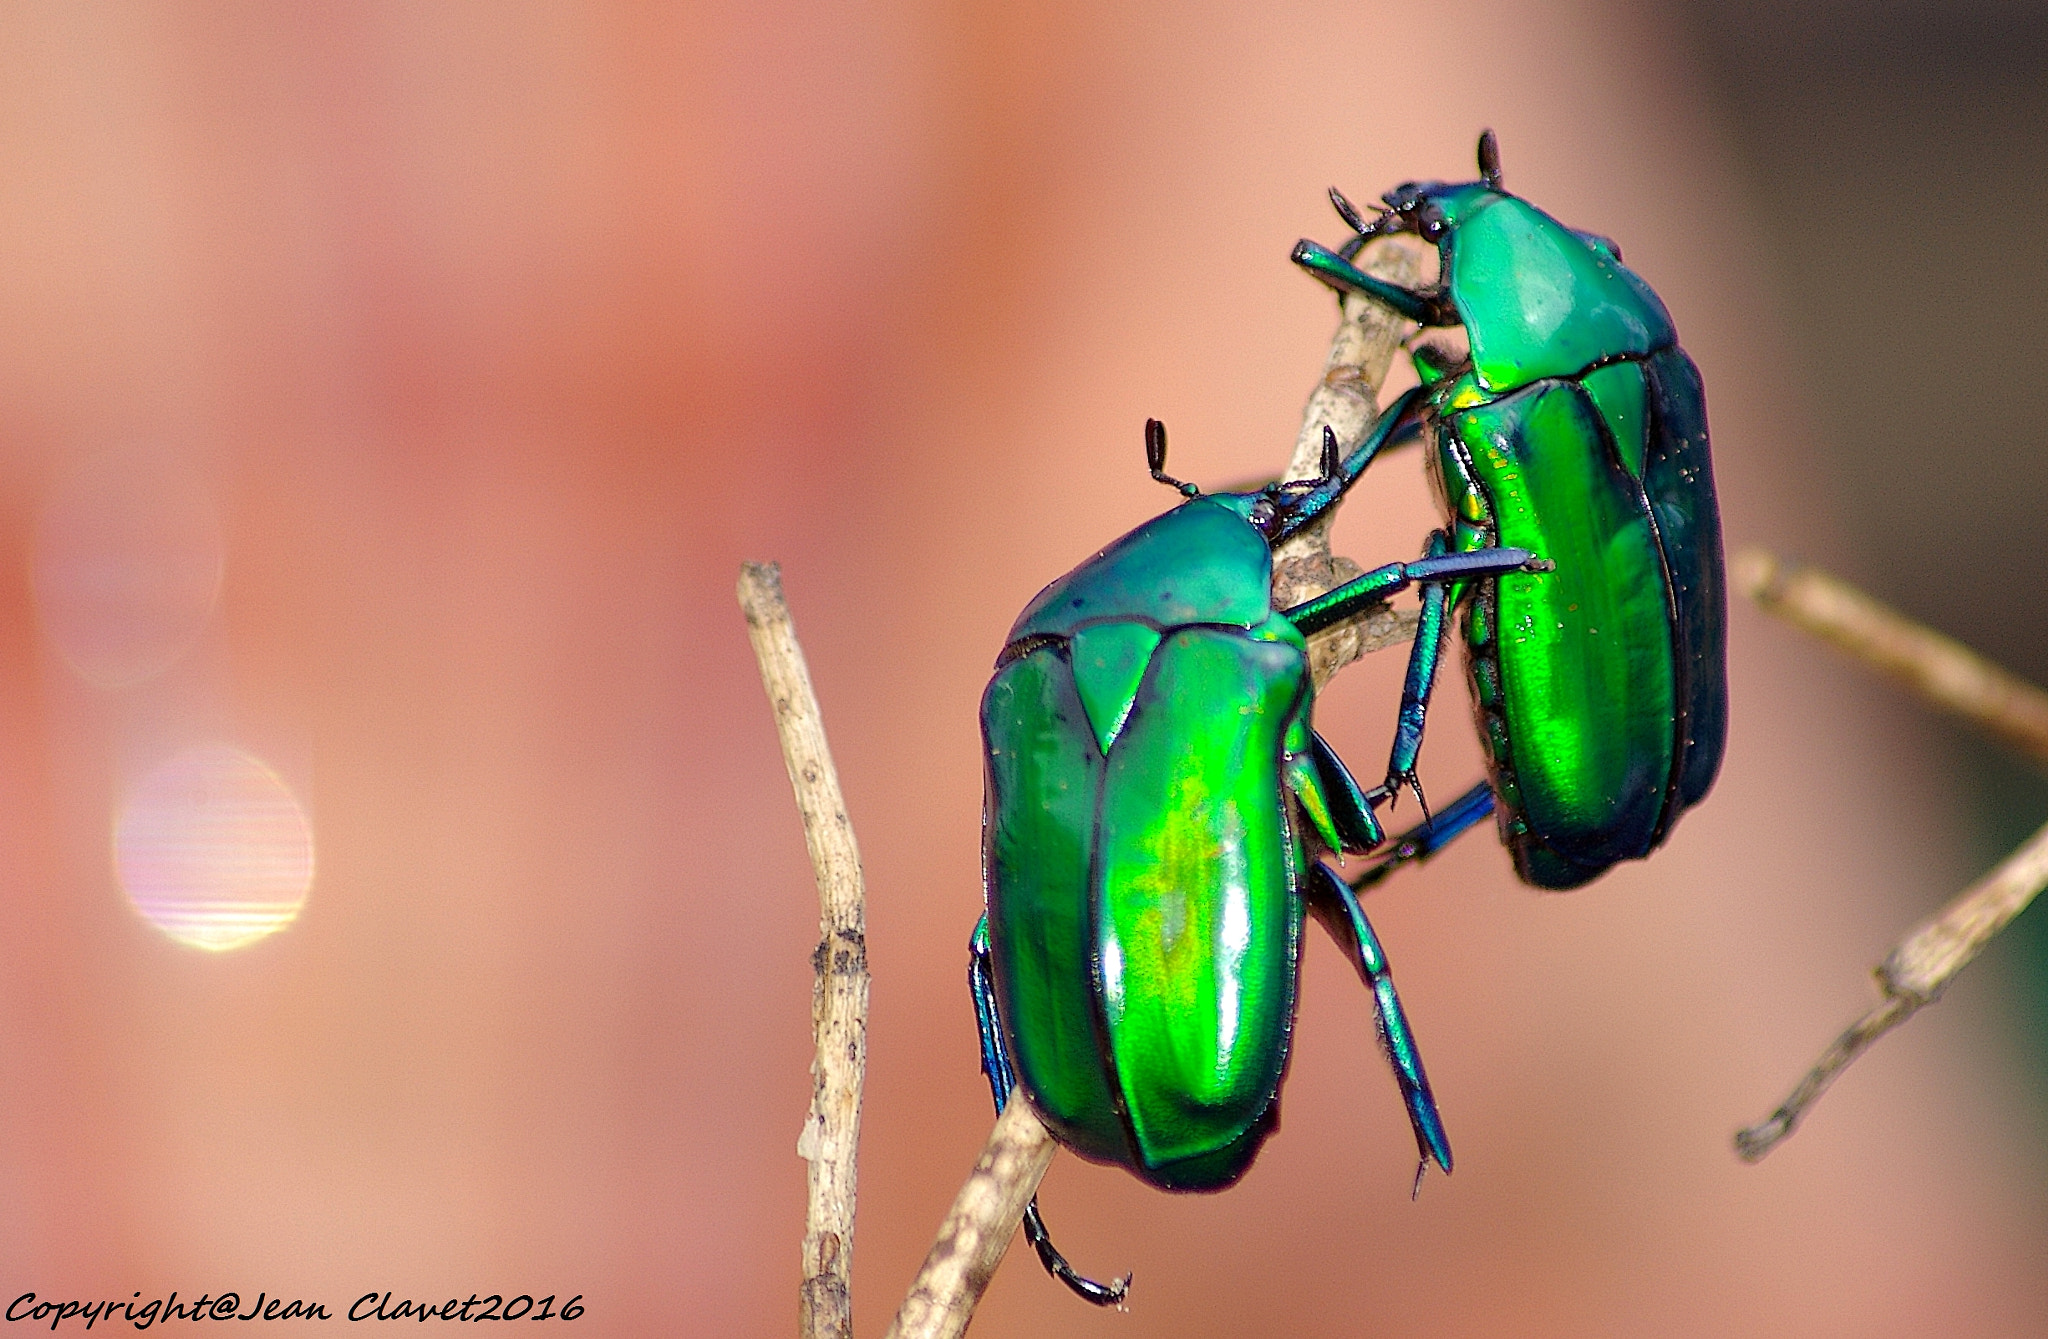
1156 797
1570 423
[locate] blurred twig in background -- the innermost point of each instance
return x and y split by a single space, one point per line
1952 677
1940 669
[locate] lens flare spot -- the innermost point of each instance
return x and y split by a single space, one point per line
213 849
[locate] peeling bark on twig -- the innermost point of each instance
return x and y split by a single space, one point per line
1957 679
839 991
1347 400
977 1231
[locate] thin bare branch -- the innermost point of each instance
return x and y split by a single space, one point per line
1953 677
839 990
1362 349
1752 1143
1913 977
1940 669
977 1231
984 1219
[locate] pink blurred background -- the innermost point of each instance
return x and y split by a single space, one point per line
439 364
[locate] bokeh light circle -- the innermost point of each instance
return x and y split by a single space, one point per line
213 849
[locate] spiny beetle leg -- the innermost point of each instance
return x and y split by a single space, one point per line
1333 903
1424 840
995 1062
1426 306
1087 1289
1357 594
1421 680
1350 806
1399 424
1423 659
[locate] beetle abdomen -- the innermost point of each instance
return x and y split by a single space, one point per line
1579 699
1044 780
1198 926
1678 477
1142 906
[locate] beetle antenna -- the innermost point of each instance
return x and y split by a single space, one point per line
1348 211
1155 456
1362 230
1489 160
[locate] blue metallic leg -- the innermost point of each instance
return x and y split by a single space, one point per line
1422 666
1424 840
1333 903
1401 431
1398 424
1361 592
1002 1080
1434 570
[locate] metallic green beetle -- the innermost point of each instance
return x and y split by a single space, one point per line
1156 798
1571 424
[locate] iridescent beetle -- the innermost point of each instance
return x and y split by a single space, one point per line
1573 425
1156 800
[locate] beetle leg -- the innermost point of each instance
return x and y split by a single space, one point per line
1350 807
1420 683
1002 1080
1399 424
995 1061
1360 593
1087 1289
1424 840
1427 306
1333 903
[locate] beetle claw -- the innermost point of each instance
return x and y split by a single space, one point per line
1390 791
1083 1287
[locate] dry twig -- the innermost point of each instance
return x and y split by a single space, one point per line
1952 677
1347 400
978 1229
839 992
984 1218
1940 669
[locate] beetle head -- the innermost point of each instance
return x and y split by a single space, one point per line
1279 509
1268 509
1428 209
